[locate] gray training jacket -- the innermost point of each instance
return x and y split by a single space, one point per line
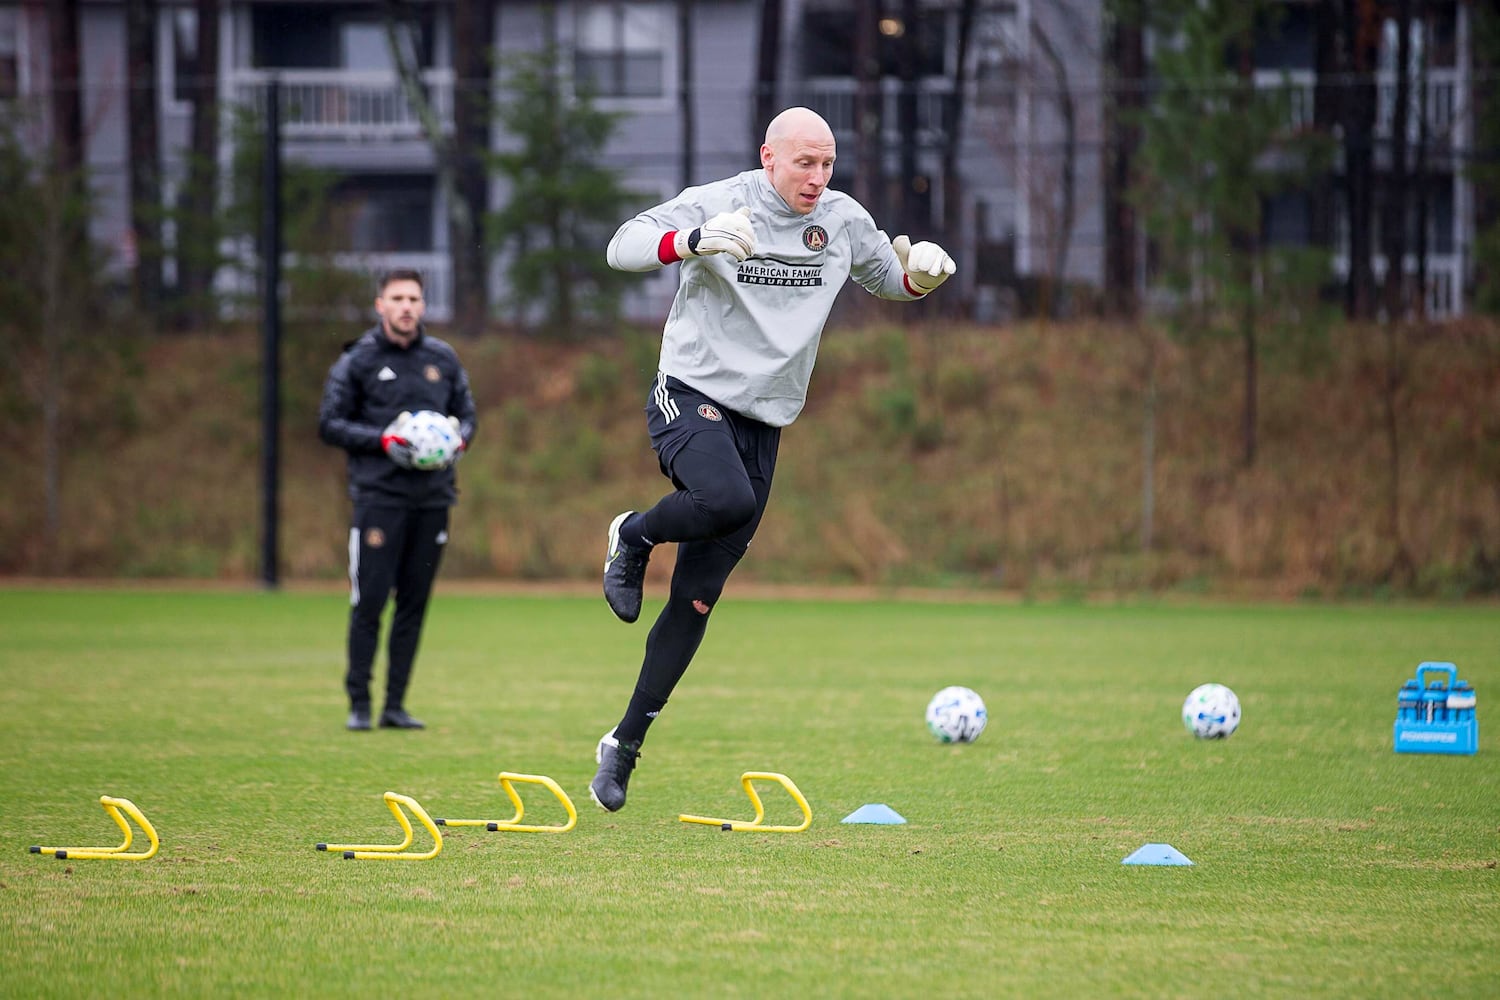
746 334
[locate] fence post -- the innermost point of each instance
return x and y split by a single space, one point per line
270 251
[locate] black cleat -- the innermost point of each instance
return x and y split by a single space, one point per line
616 761
359 719
396 718
624 573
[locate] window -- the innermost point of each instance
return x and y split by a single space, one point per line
995 50
185 68
10 65
828 44
287 36
1286 220
620 49
1444 42
364 45
1286 38
1440 218
384 213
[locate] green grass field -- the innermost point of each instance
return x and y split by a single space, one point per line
1325 864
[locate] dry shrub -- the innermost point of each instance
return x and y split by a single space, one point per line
1017 462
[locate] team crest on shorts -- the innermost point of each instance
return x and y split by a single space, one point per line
374 538
432 374
708 412
815 238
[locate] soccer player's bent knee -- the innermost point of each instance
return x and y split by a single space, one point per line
698 588
729 506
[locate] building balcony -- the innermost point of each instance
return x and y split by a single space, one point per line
1445 280
346 105
835 100
435 267
1444 103
236 284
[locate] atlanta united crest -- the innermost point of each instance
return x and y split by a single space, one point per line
815 238
708 412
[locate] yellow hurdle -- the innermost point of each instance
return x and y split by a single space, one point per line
514 824
746 779
394 852
114 807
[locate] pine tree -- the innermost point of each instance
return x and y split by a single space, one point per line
563 204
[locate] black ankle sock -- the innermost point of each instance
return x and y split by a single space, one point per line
630 532
639 715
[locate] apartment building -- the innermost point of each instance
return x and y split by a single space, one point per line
990 139
673 70
1440 137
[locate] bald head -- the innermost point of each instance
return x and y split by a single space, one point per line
798 123
798 157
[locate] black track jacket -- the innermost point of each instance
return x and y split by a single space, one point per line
372 382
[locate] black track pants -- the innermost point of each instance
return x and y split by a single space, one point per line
723 476
390 549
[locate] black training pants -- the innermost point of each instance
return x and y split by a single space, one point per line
390 548
722 464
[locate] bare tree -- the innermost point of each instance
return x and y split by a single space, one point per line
1397 189
458 157
903 211
1327 111
868 182
686 91
1393 220
1125 76
473 29
1419 168
1361 35
1484 100
953 123
767 68
197 229
1249 259
145 152
65 237
67 93
1062 230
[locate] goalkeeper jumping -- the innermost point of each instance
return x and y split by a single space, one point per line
763 255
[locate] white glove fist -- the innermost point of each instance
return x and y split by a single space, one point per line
926 264
727 232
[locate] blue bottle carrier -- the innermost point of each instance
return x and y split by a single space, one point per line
1435 712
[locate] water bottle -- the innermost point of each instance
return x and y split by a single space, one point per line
1461 702
1409 701
1435 702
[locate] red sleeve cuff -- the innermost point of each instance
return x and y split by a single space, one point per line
665 250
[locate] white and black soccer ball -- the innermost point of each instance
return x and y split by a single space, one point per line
434 441
956 715
1211 712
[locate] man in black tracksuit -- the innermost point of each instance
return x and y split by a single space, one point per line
400 513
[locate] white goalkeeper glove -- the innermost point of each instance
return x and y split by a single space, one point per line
394 442
463 445
727 232
926 264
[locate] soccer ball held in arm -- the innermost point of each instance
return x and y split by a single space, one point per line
434 440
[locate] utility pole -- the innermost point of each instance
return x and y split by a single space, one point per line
270 399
